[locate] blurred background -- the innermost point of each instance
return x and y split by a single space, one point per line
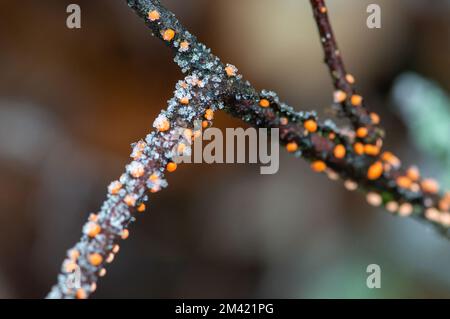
72 101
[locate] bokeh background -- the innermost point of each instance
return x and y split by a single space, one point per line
72 101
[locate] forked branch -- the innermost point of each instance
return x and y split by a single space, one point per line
352 155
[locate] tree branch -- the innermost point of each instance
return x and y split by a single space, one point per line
352 104
175 127
377 173
211 85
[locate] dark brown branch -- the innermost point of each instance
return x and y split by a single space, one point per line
341 79
375 172
344 154
352 104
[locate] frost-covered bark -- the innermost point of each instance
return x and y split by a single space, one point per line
175 127
351 154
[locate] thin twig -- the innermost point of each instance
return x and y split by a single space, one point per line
352 104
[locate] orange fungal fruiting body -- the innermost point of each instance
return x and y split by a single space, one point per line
153 15
141 208
184 45
371 150
350 185
392 206
168 35
209 114
230 70
115 187
74 254
359 148
171 167
125 234
116 249
110 258
339 151
339 96
137 170
375 118
318 166
413 173
375 171
130 200
310 126
284 120
162 124
444 205
361 132
95 259
374 199
430 186
264 103
390 158
291 147
184 100
405 209
356 100
350 78
94 229
154 178
81 294
432 214
404 182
